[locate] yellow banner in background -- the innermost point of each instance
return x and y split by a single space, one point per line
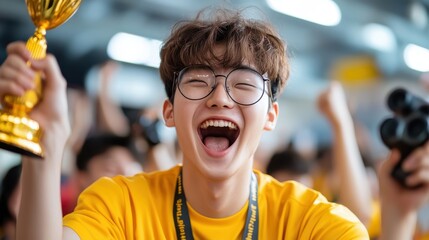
355 70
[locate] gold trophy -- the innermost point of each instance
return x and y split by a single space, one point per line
19 133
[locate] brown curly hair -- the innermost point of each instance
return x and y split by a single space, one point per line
253 40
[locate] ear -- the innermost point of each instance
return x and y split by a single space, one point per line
272 115
167 112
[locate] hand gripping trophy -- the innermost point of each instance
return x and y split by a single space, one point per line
19 133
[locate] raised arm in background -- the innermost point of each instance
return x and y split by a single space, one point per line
109 113
354 187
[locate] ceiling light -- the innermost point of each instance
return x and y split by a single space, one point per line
323 12
379 37
416 57
418 14
135 49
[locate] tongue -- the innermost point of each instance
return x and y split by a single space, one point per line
216 143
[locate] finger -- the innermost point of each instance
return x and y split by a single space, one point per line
15 70
19 64
20 49
388 165
49 66
417 159
11 88
54 86
418 177
12 80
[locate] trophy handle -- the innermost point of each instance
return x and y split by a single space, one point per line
20 106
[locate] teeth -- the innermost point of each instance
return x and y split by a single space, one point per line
218 123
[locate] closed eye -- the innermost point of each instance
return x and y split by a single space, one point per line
196 83
246 87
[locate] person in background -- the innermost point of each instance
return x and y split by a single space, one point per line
93 115
339 172
103 155
223 74
345 175
10 197
151 150
287 164
109 117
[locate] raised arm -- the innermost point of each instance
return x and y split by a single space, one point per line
399 205
354 187
110 115
40 214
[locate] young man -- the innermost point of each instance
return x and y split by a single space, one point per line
222 76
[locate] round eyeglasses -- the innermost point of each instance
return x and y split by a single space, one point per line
244 85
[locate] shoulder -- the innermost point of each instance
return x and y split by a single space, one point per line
307 208
131 186
152 179
120 201
288 191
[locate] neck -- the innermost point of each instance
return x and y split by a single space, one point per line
216 198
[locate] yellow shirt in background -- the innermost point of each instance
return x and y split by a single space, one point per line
141 207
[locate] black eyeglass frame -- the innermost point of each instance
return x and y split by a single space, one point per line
178 75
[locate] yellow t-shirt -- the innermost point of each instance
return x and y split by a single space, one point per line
374 225
421 236
141 207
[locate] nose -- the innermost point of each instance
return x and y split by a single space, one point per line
219 96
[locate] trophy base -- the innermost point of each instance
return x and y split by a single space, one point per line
20 135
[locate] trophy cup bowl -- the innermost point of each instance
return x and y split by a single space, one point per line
19 133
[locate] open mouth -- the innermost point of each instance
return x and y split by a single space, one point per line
218 135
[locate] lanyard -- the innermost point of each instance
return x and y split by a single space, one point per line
183 223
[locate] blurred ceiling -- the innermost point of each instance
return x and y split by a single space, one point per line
314 48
